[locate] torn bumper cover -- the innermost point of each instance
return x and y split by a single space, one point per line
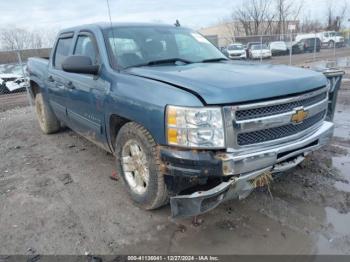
273 160
203 201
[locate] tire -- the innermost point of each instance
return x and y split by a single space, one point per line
48 122
146 189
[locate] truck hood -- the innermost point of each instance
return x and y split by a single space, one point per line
226 83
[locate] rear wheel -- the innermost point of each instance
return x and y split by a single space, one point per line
48 122
138 164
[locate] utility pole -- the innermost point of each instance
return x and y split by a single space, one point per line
291 28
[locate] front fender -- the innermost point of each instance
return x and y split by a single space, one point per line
144 101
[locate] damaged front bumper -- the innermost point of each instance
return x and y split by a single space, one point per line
241 170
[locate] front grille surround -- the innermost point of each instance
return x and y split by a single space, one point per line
246 134
279 108
274 133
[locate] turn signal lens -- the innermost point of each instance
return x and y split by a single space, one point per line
172 135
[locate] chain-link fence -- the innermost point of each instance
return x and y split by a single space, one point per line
328 48
332 50
13 77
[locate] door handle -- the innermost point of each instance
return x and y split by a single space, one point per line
70 85
50 79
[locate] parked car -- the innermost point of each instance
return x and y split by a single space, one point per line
311 44
249 46
297 47
236 51
12 79
259 51
12 83
224 51
278 48
185 124
328 38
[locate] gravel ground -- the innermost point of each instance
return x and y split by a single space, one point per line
56 197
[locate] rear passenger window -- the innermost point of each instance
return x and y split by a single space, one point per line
62 51
85 46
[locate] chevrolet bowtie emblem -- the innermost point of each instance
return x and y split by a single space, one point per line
299 116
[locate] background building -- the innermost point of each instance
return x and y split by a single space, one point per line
227 32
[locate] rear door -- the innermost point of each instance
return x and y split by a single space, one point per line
86 93
56 76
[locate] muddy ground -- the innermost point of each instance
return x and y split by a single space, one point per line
56 197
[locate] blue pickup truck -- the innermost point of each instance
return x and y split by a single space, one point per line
185 124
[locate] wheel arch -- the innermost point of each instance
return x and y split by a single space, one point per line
115 123
34 88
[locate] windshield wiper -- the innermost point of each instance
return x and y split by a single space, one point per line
169 61
163 61
214 60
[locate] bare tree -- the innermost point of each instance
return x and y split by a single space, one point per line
254 16
47 37
311 25
231 30
18 38
14 39
336 15
286 11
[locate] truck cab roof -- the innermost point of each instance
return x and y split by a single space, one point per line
105 25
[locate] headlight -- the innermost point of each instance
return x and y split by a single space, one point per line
199 127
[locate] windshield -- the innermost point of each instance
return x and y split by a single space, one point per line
140 45
235 47
258 47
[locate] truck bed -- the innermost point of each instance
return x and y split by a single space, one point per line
38 65
38 68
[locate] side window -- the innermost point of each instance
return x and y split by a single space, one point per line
62 51
86 47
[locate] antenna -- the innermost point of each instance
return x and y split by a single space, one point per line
111 23
109 13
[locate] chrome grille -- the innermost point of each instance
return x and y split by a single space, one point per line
274 133
278 109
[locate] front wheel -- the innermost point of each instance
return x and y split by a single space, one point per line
139 165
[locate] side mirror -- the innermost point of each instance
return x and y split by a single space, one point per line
79 64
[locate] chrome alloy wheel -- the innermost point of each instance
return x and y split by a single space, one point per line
135 166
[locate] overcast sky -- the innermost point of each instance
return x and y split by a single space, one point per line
63 13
